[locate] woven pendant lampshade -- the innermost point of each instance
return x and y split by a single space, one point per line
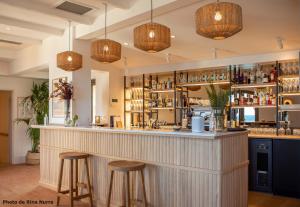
106 50
219 20
152 37
69 60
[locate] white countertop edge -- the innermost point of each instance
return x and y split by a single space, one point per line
204 135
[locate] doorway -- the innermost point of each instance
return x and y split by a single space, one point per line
5 126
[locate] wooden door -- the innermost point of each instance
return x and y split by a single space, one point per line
5 114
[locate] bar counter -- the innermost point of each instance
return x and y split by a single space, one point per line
182 168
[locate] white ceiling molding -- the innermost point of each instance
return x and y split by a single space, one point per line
15 38
119 18
29 25
34 6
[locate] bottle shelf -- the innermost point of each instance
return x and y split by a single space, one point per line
256 85
253 106
162 108
289 76
289 94
203 83
292 107
162 91
133 111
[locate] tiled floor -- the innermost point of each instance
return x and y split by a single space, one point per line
20 183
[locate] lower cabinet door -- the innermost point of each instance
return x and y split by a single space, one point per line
286 167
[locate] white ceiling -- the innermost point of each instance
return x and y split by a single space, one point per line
264 21
31 21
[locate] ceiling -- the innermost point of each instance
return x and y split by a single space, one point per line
31 21
264 21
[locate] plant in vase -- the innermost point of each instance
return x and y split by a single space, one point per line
64 91
218 101
38 103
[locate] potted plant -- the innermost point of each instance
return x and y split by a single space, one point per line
218 101
38 102
64 91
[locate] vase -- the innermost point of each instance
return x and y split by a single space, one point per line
219 123
67 112
218 115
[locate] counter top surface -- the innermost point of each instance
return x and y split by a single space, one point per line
273 136
159 132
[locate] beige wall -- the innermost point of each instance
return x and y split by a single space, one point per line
20 87
4 126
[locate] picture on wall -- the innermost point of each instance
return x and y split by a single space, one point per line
24 111
58 105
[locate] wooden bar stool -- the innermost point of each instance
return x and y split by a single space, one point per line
74 156
126 167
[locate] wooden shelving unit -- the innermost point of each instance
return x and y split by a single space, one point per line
179 88
253 106
256 85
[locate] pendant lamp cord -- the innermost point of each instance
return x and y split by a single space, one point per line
151 11
105 23
69 35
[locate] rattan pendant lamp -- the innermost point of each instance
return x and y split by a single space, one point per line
106 50
219 20
152 37
69 60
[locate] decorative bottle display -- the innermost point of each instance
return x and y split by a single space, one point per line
204 76
257 75
260 97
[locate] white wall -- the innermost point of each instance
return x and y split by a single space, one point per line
101 92
116 87
20 87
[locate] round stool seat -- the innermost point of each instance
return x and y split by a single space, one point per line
73 155
125 166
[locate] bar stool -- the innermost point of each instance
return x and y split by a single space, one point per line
126 167
74 156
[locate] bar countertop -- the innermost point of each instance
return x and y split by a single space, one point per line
159 132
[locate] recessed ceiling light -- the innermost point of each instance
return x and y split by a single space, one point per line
126 43
7 28
172 36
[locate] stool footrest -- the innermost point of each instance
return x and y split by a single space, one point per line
81 196
82 185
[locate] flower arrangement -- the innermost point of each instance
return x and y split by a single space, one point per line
63 90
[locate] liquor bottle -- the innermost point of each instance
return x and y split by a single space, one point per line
258 75
245 78
169 84
234 75
265 78
273 74
236 99
238 76
241 102
255 98
252 77
267 95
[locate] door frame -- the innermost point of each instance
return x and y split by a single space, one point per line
10 125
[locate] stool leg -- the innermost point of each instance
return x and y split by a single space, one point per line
60 180
128 189
144 188
110 188
71 183
89 181
76 177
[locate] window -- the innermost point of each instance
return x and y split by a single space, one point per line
249 114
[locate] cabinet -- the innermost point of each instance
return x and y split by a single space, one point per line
260 168
286 167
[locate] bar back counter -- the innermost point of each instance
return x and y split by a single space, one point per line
183 169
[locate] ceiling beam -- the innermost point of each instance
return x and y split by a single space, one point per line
15 38
119 18
43 9
32 26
